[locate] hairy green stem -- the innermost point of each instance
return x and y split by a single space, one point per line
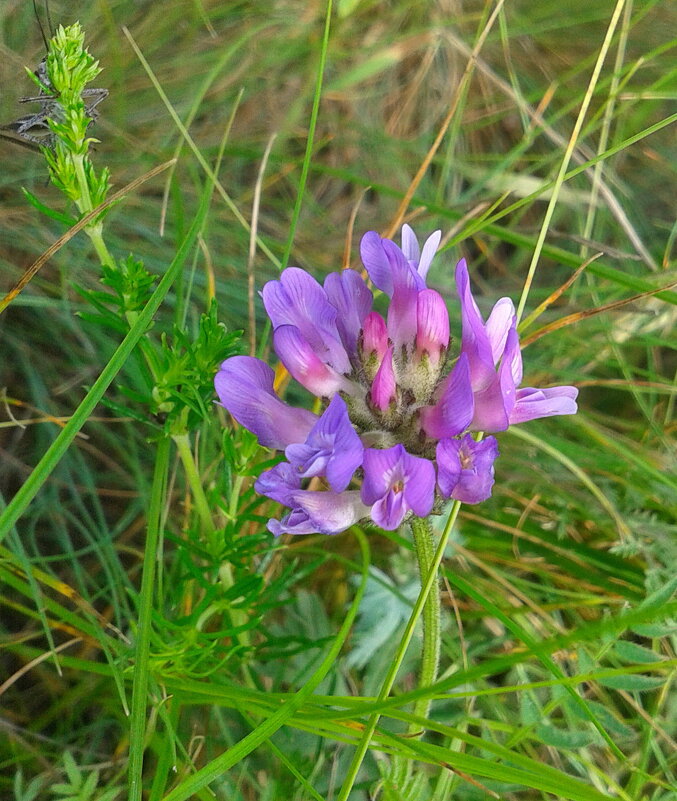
424 545
430 658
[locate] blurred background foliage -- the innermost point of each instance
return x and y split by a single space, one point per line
581 526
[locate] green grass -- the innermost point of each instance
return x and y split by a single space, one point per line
255 682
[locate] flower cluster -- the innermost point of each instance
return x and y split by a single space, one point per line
399 410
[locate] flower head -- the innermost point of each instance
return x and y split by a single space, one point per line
399 405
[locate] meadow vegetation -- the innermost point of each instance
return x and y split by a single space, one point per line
157 641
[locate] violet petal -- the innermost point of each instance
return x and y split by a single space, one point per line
245 388
388 512
387 266
297 299
429 250
419 260
332 448
384 385
279 483
474 341
495 401
396 482
303 363
374 336
320 512
432 323
452 413
352 298
490 413
500 320
410 247
376 262
295 522
465 468
531 403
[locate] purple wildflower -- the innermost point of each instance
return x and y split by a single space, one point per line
497 402
245 387
398 409
279 483
320 512
332 448
395 482
465 468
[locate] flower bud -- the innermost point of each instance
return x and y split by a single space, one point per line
373 343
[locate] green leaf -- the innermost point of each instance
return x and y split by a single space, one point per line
634 653
90 784
63 789
632 682
660 596
72 770
32 789
384 611
653 630
530 711
47 211
561 738
611 722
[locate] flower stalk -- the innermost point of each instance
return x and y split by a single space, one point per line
424 545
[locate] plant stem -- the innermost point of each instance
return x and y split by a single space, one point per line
424 545
237 616
85 202
85 205
137 727
430 657
372 723
94 232
194 482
